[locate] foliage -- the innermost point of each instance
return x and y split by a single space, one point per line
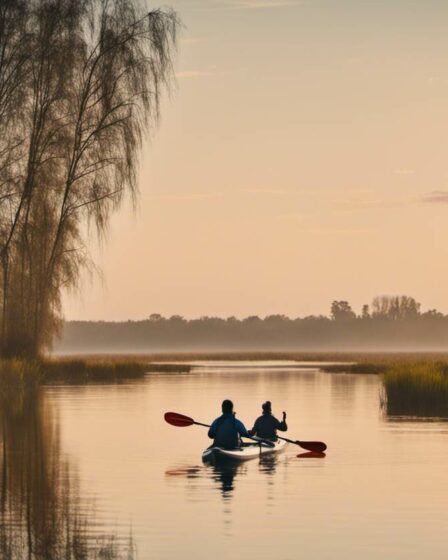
80 83
395 307
341 311
395 323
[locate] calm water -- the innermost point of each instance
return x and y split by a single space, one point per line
95 470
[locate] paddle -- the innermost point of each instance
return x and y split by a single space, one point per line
181 421
315 446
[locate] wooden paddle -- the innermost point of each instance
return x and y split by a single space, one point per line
181 421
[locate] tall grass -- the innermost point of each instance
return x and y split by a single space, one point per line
18 374
102 370
418 389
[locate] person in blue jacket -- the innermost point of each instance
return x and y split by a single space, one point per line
266 425
226 430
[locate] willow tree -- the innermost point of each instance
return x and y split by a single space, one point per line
80 85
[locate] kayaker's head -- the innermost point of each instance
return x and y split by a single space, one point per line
267 407
227 407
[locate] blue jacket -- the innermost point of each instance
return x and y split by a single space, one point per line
225 431
266 426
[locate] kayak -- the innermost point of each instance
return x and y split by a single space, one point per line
244 453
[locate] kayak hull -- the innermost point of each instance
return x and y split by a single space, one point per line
245 453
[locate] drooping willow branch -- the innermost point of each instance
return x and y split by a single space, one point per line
80 86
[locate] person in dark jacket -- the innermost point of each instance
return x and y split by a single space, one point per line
226 430
266 425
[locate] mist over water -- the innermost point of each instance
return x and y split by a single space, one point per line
101 466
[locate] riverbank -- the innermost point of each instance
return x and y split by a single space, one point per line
415 384
262 355
80 370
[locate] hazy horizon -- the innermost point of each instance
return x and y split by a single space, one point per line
301 160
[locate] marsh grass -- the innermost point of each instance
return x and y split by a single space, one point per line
102 369
367 368
299 356
417 389
18 374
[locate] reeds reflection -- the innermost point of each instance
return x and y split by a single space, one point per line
42 515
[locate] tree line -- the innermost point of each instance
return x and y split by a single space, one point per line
389 322
80 84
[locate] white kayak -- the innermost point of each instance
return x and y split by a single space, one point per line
245 453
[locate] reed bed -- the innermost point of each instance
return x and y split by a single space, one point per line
112 369
299 356
366 368
18 374
419 389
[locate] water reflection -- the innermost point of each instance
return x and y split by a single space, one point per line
268 464
42 515
224 473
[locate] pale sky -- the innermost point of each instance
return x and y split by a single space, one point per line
301 159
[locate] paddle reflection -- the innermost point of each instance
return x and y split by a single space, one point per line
42 515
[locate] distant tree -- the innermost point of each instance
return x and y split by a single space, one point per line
177 319
252 319
154 317
276 318
395 307
365 314
432 313
342 311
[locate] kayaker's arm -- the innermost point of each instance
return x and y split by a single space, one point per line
212 431
282 426
241 429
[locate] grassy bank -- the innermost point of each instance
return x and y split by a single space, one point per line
327 356
415 384
94 369
22 373
356 368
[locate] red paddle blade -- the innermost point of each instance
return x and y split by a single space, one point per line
316 446
178 420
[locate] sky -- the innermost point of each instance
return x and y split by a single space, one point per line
301 158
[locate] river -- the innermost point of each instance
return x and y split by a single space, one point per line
96 469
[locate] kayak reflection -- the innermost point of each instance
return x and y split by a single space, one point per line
224 473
